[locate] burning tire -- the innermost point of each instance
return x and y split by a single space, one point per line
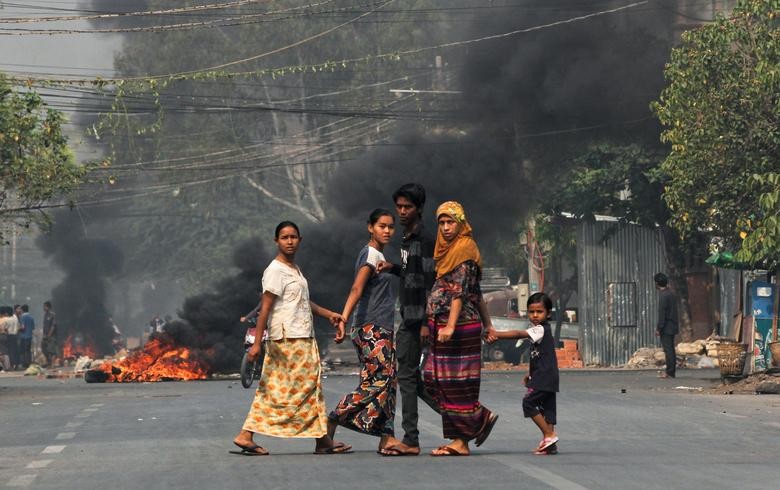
249 370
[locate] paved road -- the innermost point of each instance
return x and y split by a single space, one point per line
66 434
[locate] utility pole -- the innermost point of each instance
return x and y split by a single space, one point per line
535 260
13 261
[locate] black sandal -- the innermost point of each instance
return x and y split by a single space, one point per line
486 428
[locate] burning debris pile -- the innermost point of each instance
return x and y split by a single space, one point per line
158 360
75 347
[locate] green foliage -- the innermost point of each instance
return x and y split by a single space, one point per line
761 231
36 164
721 112
620 181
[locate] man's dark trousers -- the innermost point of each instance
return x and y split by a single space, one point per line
13 350
25 351
667 342
407 351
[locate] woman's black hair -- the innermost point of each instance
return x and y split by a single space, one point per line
540 298
378 213
285 224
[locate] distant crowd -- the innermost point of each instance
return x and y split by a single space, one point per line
17 326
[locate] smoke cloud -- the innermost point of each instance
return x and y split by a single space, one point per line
528 103
88 263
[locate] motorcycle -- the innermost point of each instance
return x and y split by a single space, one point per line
250 371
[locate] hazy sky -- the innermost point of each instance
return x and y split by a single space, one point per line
83 55
87 54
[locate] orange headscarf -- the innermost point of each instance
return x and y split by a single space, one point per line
449 255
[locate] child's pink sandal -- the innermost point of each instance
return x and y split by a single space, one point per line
547 442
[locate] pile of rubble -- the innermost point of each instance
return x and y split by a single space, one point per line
767 383
697 354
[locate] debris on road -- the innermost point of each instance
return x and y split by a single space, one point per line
761 383
33 370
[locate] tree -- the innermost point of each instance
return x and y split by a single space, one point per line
36 164
230 154
627 182
721 112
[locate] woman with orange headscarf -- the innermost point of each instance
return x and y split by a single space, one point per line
457 321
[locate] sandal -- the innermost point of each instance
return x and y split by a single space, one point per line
448 451
486 428
250 450
547 442
336 448
395 450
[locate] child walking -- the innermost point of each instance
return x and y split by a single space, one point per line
542 377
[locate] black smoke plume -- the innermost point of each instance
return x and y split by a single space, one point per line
88 264
528 104
210 321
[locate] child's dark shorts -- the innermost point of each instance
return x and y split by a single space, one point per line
537 401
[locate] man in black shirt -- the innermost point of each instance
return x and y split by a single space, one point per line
417 273
667 326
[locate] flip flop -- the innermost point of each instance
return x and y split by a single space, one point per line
393 451
336 448
250 450
551 450
485 432
547 442
448 451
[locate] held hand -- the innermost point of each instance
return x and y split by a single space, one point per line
340 328
242 319
657 333
334 318
445 334
254 352
425 332
490 334
382 266
526 378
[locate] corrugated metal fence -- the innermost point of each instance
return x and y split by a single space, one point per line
728 285
618 300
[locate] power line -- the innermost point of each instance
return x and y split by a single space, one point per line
330 64
115 15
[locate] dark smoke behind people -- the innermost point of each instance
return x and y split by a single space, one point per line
88 264
580 81
528 104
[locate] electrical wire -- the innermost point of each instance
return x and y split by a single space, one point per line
332 64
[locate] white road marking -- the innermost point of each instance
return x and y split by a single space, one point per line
96 405
83 415
734 415
65 435
73 425
537 473
513 462
90 409
34 465
21 481
53 449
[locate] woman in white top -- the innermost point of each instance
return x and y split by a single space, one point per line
289 400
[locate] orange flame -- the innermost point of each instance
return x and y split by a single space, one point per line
159 360
72 350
